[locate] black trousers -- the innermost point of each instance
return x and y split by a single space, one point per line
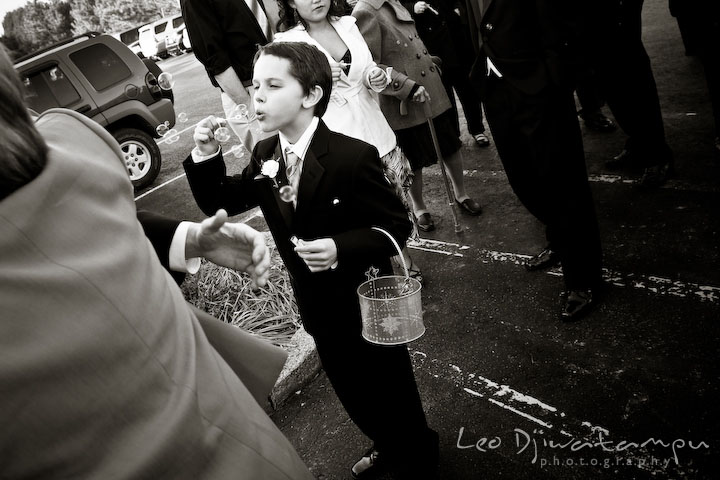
540 145
458 77
627 83
376 386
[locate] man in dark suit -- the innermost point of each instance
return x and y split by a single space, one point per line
225 34
612 31
523 62
324 233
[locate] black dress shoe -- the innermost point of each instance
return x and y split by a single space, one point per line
577 305
620 160
545 259
598 122
656 176
370 465
470 206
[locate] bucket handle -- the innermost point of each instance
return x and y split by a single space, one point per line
397 247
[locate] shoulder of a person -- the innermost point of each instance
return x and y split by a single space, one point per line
266 147
353 149
66 117
298 32
346 22
368 5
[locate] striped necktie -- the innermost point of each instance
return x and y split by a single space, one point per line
258 11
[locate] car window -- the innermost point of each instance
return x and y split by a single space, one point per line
177 22
101 66
160 27
49 88
130 36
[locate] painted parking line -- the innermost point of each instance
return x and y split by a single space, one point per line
581 437
651 283
671 184
164 184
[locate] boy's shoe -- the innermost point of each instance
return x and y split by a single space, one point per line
370 465
481 139
425 222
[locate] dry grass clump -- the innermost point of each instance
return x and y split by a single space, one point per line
269 312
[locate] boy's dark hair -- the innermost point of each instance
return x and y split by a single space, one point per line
308 65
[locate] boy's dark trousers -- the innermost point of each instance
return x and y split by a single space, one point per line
342 194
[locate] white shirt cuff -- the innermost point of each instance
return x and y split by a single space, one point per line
178 262
197 157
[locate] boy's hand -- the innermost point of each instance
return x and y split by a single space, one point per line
319 255
232 245
204 135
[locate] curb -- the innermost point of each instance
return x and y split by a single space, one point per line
301 366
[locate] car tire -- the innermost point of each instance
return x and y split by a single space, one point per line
141 156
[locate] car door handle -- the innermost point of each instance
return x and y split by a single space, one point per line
83 109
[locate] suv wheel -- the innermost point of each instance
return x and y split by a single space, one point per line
141 154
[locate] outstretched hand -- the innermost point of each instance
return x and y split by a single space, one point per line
232 245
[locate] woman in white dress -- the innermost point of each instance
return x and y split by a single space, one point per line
352 111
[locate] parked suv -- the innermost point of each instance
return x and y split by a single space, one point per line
99 76
175 34
131 38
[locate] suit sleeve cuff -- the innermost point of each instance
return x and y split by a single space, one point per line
178 262
197 157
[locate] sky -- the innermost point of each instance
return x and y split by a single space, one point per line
6 6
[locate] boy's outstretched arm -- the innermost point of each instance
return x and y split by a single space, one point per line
205 167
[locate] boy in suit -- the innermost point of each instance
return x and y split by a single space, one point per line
341 194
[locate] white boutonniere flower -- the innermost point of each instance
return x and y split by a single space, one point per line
270 168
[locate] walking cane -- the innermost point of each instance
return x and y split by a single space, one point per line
448 188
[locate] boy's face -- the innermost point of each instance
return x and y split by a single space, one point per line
279 97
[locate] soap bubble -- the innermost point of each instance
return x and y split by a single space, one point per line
222 134
172 136
165 81
182 117
239 112
287 193
238 151
162 129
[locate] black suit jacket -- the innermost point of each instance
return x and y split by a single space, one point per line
160 231
342 194
533 43
223 34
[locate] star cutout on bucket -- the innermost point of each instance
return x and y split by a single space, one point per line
391 324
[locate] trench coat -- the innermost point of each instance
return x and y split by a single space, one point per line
389 31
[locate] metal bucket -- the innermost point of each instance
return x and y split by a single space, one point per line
391 307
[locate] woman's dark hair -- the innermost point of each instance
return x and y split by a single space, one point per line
23 153
289 16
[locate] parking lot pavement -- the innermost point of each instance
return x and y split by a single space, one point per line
630 391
